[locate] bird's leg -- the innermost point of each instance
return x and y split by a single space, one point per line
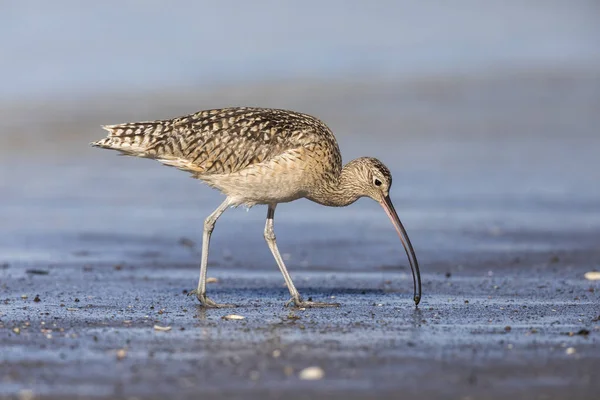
270 238
209 225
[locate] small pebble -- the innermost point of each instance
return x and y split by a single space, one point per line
311 374
17 330
570 351
212 280
37 298
233 317
121 354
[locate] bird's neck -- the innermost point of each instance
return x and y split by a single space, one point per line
339 190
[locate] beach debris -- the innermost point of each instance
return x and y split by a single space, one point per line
311 374
17 330
162 328
581 332
121 354
212 280
592 276
570 351
233 317
37 298
72 309
293 317
24 296
37 272
276 353
507 328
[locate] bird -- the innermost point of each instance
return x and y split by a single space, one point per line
261 156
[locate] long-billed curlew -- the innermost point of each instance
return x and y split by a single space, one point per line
261 156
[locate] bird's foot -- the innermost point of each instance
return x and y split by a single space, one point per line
208 303
299 303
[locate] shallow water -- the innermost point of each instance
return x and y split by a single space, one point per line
492 167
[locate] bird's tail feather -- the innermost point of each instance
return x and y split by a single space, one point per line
133 138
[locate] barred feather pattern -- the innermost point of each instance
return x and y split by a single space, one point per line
242 142
222 140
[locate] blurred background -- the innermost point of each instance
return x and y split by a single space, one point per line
486 113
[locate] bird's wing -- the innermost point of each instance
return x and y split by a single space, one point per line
229 140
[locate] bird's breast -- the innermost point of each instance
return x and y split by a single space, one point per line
282 179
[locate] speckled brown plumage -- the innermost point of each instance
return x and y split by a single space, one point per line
234 148
259 156
223 140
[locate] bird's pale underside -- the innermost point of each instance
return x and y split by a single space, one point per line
259 156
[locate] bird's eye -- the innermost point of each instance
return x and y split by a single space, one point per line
377 182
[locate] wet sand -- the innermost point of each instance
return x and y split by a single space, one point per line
495 179
524 331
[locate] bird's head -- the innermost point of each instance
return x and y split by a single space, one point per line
373 179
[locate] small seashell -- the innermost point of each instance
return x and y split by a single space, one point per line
592 276
570 351
311 374
162 328
233 317
212 280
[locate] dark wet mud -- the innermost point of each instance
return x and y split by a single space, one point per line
90 331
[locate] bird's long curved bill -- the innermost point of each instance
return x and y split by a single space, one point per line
410 252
